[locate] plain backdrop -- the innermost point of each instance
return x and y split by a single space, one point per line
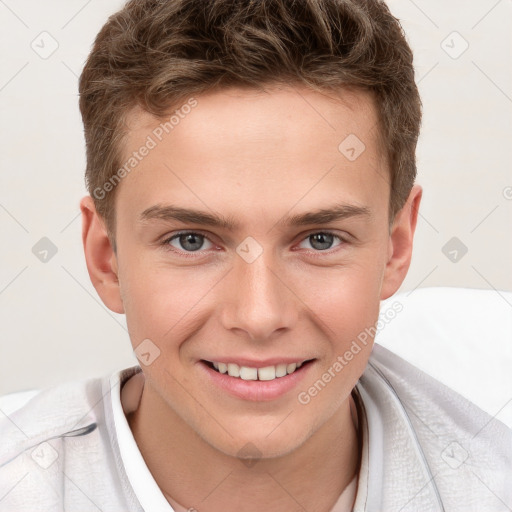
54 327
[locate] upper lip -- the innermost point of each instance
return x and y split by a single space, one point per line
261 363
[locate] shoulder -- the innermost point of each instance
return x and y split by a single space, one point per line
467 452
421 392
57 447
39 415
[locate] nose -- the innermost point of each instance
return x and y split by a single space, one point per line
259 299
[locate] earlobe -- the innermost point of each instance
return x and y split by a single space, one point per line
100 257
401 244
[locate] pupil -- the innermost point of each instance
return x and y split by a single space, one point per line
324 239
185 239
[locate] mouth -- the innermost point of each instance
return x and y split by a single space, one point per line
254 381
249 373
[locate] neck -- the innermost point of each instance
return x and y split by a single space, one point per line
194 475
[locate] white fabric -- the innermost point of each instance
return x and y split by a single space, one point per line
425 448
14 401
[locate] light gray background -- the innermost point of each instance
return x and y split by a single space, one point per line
54 326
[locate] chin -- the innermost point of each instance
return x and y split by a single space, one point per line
249 449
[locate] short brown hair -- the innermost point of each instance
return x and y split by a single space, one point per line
155 53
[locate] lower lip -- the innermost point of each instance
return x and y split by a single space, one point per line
256 390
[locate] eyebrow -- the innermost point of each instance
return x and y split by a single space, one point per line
191 216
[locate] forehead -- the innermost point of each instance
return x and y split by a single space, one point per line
284 141
238 111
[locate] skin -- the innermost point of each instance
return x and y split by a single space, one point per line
258 157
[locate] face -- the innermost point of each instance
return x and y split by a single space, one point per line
294 273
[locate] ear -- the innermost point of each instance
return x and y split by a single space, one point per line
400 244
100 257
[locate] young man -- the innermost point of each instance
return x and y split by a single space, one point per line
251 171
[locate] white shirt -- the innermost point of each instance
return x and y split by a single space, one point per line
425 448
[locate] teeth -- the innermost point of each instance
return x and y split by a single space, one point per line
281 370
267 373
247 373
233 370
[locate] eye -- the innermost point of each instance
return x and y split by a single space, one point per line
187 241
322 240
193 241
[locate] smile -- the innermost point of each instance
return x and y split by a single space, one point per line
258 381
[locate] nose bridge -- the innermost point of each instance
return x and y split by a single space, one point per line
260 302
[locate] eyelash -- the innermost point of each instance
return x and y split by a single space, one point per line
191 254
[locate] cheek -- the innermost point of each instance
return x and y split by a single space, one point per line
162 303
346 299
147 297
346 306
